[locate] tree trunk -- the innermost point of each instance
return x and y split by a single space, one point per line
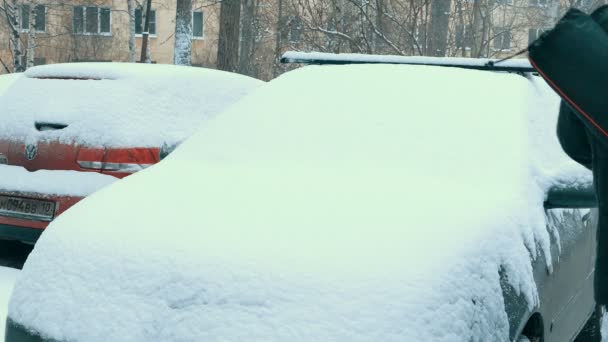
440 10
12 18
247 36
145 49
380 26
182 54
276 70
228 45
480 28
31 39
132 45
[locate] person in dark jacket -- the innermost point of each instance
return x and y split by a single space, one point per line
584 147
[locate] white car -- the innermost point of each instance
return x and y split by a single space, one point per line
6 80
337 203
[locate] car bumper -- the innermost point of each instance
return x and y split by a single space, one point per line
28 230
28 235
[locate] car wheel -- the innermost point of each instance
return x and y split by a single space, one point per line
592 330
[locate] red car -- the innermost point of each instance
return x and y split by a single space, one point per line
67 130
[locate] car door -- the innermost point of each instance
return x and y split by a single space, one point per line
565 287
566 292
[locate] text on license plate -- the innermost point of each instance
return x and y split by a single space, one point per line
26 208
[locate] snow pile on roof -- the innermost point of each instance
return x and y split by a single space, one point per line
113 104
316 57
52 182
350 203
7 280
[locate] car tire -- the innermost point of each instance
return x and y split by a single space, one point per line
591 332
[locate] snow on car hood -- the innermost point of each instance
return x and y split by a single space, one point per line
343 203
117 105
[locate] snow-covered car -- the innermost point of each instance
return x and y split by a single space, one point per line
67 130
337 203
6 80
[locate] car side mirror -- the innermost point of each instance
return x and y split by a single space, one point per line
571 197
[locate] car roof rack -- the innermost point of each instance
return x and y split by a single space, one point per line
321 58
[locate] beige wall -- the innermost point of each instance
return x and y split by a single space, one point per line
58 44
204 49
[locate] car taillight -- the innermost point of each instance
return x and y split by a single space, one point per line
118 160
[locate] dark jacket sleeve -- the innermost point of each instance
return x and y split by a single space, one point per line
573 136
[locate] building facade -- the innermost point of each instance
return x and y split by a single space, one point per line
78 31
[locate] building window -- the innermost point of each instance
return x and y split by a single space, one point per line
463 37
502 38
139 22
534 33
37 60
291 29
39 20
197 24
92 20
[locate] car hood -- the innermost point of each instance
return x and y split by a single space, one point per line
342 219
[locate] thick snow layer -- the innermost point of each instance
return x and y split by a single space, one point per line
7 80
7 280
111 104
52 182
343 203
308 57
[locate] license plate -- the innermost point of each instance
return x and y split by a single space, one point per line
26 208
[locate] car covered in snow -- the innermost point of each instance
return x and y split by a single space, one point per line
67 130
337 203
6 80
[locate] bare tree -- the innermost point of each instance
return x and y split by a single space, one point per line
145 48
228 43
31 36
11 12
247 37
132 45
182 54
440 11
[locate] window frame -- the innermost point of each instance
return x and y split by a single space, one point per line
84 21
150 34
29 12
202 36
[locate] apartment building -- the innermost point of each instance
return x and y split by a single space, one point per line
98 30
